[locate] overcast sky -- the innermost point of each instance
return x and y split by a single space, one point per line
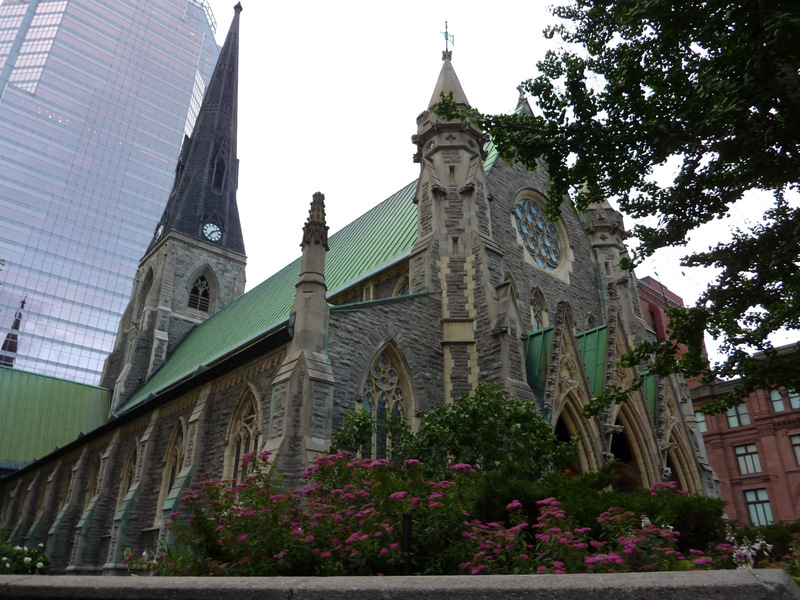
329 93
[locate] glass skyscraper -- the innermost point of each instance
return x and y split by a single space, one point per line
95 98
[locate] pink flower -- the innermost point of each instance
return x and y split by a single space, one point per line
411 462
398 495
477 569
462 467
243 537
514 505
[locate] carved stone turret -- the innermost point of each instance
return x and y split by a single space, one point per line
456 257
606 231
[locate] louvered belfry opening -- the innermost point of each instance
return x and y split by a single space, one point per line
200 296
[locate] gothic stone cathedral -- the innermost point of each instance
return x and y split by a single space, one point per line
456 279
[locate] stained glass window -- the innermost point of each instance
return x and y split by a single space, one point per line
383 395
539 236
246 436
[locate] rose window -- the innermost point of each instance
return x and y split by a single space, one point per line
538 235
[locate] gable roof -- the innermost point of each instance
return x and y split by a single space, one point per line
39 413
374 241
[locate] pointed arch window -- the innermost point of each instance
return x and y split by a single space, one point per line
173 463
144 291
200 294
220 167
539 317
92 484
63 493
387 393
128 475
244 436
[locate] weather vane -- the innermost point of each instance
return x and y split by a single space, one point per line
448 39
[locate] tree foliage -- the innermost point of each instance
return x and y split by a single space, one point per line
707 91
486 431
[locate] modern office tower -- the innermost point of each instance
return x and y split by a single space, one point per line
95 98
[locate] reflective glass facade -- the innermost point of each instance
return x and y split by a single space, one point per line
95 98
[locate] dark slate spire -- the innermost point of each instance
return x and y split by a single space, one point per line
202 203
11 343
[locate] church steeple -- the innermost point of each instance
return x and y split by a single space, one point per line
202 203
195 264
11 343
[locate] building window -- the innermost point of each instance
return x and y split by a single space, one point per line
173 463
386 393
92 486
737 416
795 440
539 315
200 295
794 399
777 401
701 421
128 476
538 234
747 456
245 436
758 506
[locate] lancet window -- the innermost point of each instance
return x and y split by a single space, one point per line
387 393
245 436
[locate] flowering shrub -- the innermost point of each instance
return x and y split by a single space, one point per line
21 560
349 521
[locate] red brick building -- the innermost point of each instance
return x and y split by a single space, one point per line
755 451
754 448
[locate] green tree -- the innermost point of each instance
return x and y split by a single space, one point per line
709 91
486 430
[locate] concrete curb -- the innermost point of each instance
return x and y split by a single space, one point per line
759 584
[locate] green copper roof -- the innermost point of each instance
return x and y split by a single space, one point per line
38 413
592 346
378 238
538 348
649 389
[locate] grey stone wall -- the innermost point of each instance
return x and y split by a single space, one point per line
582 292
358 333
757 584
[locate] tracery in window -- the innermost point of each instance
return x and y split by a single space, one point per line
539 317
387 392
200 294
538 234
128 475
173 463
244 436
402 287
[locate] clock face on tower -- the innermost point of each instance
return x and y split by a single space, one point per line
212 232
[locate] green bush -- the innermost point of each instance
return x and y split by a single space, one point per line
486 430
349 520
21 560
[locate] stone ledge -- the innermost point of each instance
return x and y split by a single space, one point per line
759 584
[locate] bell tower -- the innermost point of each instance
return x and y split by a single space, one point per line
195 263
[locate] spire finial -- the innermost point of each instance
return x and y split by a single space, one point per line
238 7
315 230
447 54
